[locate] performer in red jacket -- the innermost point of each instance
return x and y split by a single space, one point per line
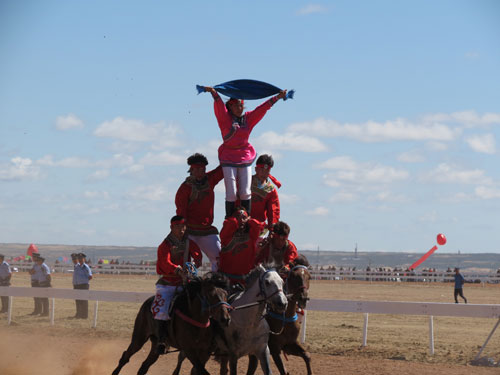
239 237
195 202
277 249
265 201
173 253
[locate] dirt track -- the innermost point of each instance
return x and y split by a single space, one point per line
45 352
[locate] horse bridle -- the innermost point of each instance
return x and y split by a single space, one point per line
262 292
300 288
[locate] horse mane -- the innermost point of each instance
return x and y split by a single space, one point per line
217 279
254 275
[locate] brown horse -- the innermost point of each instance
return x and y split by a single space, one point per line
189 330
285 328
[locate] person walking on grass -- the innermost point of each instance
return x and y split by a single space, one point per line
459 282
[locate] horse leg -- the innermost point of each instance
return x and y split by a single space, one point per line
252 364
233 364
180 358
276 354
223 364
298 350
264 362
198 364
150 359
137 343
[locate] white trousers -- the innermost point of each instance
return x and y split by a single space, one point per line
161 303
238 181
210 245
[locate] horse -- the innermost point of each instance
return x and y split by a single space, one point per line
189 330
285 328
248 332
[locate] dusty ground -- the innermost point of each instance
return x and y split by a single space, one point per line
395 343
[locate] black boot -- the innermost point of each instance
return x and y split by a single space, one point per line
229 209
247 205
162 334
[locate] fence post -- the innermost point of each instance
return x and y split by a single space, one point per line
52 310
431 334
94 323
9 311
488 339
365 330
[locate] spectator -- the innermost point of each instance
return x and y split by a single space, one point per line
5 276
34 284
81 276
459 282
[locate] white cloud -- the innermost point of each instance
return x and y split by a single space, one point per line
446 173
288 199
133 169
484 143
411 157
99 175
19 169
133 130
466 118
484 192
318 211
311 9
150 193
339 162
397 130
163 158
70 162
117 160
429 217
354 173
472 55
96 194
289 141
68 122
343 196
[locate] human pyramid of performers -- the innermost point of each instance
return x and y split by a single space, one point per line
252 237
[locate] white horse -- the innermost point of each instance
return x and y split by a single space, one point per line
248 331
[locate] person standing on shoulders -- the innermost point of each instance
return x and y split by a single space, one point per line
265 200
194 201
236 154
173 253
5 276
277 249
81 277
459 282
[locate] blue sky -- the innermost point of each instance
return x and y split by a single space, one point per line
390 140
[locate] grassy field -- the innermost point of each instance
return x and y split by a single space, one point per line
457 340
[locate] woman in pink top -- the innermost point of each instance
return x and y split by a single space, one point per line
236 154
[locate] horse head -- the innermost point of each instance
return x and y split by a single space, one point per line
214 292
271 289
297 285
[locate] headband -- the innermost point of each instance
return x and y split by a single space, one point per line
176 222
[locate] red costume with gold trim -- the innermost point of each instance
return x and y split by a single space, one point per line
265 202
237 257
280 257
171 255
195 202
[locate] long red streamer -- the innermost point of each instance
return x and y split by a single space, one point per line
423 258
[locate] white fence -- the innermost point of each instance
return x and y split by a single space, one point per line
429 309
372 276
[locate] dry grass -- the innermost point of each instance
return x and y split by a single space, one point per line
457 340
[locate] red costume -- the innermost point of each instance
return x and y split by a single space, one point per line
265 202
171 255
280 257
237 257
195 202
